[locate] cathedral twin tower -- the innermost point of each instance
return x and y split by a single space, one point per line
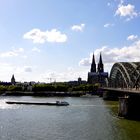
100 65
97 75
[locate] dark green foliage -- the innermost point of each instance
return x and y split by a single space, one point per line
9 88
50 87
3 88
85 88
78 88
14 88
61 88
43 87
54 87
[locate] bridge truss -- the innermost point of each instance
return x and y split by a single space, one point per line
125 75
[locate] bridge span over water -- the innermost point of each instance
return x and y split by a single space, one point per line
124 79
124 84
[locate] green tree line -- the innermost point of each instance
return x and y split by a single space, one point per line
60 87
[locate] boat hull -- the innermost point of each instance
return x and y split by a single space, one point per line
39 103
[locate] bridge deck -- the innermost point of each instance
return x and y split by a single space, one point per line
123 90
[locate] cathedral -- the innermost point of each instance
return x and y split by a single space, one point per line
97 75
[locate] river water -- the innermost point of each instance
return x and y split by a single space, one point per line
87 118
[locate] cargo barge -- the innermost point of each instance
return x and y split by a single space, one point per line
57 103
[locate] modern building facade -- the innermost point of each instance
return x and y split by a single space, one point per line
97 75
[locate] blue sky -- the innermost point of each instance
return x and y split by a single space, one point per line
53 40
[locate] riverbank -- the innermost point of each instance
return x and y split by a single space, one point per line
43 93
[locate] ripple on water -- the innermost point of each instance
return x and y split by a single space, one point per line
4 105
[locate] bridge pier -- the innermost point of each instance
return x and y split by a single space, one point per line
110 95
123 107
129 107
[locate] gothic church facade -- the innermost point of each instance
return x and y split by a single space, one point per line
97 75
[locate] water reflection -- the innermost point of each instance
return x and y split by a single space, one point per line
3 105
85 119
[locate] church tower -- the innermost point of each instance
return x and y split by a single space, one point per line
93 65
100 65
97 76
13 81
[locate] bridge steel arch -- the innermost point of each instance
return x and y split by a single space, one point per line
125 75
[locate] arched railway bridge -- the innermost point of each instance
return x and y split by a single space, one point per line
125 75
124 84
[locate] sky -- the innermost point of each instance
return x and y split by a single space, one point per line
54 40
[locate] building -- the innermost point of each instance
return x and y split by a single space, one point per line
76 83
97 75
13 81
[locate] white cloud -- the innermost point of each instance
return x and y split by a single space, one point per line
28 69
35 49
78 27
126 11
12 53
41 37
22 69
68 75
25 56
5 67
70 69
85 62
30 73
111 55
132 37
6 71
108 25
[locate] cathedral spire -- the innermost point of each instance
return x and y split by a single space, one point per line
100 64
93 65
13 81
100 61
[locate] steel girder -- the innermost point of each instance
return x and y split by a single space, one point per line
125 75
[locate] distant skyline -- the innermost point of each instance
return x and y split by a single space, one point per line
43 39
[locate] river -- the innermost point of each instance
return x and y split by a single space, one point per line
87 118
